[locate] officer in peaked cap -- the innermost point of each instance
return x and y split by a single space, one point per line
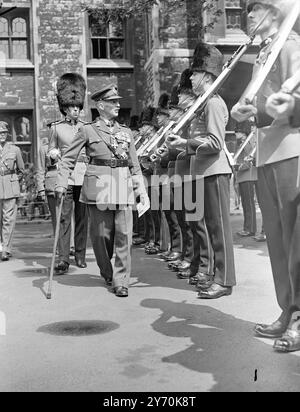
277 161
109 92
11 171
112 178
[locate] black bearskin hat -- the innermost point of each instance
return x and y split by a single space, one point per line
71 88
185 84
147 115
207 58
163 104
174 100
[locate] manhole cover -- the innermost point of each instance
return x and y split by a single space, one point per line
79 327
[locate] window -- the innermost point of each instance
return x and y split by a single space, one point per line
20 131
14 29
234 9
107 40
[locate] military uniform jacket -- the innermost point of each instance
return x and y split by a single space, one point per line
11 167
277 139
295 118
104 184
246 171
62 134
207 139
46 172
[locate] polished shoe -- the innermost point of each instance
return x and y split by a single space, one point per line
187 274
184 265
61 268
121 291
289 342
80 263
5 257
260 238
173 256
200 278
215 291
151 249
164 255
275 329
138 241
173 265
245 233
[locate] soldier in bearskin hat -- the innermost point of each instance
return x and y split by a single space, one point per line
197 256
206 146
71 89
277 161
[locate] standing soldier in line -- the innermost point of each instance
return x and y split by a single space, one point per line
11 171
207 148
112 178
71 90
278 154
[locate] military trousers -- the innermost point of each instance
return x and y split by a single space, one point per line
173 224
247 191
217 221
8 217
111 230
52 207
279 197
81 225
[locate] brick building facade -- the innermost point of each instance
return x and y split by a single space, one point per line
42 39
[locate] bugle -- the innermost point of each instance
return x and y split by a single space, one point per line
275 48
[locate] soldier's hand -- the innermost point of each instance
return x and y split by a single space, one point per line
174 140
241 112
55 154
59 192
280 105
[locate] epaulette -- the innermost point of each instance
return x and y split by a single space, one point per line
55 122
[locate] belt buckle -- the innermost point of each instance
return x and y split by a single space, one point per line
113 162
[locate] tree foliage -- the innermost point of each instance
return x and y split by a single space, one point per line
119 10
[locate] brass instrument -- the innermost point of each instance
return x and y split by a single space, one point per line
276 46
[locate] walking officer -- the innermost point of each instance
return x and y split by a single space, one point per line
278 154
71 90
112 179
11 171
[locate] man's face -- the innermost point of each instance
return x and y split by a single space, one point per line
73 112
3 137
197 79
109 108
256 14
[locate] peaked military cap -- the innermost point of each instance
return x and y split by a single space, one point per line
3 127
109 92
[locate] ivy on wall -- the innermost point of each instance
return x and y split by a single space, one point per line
119 10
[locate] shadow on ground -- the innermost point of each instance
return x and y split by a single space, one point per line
221 343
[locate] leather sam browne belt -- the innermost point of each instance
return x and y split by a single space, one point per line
109 162
7 172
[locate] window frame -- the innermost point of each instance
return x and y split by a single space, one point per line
107 38
19 12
